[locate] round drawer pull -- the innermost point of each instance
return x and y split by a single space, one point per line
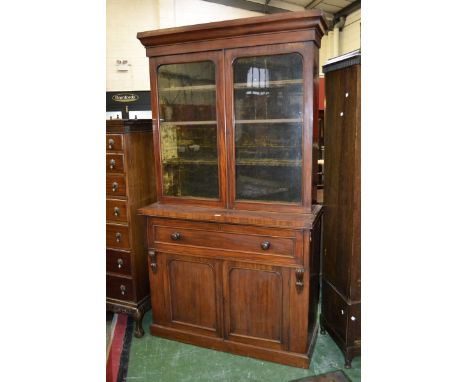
118 237
112 164
119 263
116 211
265 245
111 144
123 289
115 186
176 236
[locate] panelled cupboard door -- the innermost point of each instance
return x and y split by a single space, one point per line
192 294
269 120
256 304
188 110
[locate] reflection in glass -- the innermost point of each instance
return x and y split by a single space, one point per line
268 107
188 129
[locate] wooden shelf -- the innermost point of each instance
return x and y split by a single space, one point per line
283 120
271 84
269 146
238 122
269 162
178 161
185 123
186 88
242 162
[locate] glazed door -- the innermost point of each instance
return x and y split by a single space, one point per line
188 119
269 121
188 294
256 304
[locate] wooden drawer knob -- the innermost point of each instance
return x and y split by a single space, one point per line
176 236
265 245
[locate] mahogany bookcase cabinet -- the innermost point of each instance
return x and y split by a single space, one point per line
129 186
341 268
234 237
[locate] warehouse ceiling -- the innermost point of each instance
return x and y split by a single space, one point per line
333 9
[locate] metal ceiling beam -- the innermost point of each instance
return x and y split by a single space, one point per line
250 6
347 10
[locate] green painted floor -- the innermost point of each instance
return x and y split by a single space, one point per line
155 359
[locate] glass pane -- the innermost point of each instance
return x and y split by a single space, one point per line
187 110
268 107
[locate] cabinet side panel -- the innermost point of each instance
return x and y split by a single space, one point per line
314 293
339 182
140 182
355 286
299 301
158 287
315 124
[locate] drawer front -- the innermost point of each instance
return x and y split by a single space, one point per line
116 210
117 236
118 262
119 287
114 142
239 242
116 185
115 163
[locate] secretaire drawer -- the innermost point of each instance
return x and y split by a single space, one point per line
114 142
119 287
226 237
117 236
114 163
118 262
116 210
116 185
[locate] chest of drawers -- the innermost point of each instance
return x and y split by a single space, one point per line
129 185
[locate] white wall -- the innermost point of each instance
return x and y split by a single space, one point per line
127 17
124 19
349 40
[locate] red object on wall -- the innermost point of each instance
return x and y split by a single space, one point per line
322 93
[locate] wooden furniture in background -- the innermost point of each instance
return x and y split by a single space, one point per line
129 185
341 272
234 238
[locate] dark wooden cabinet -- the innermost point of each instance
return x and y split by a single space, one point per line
235 235
341 287
130 185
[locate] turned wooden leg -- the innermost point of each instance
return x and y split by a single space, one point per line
138 317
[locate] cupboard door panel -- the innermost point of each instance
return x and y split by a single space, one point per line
269 119
268 109
192 294
190 115
256 304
